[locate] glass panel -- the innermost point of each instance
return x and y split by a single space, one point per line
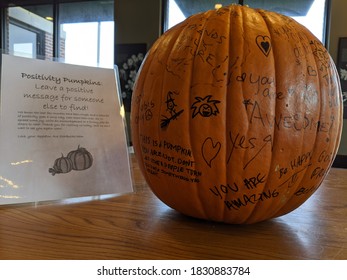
87 33
22 41
28 32
179 10
310 13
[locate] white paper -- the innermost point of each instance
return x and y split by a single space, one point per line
61 132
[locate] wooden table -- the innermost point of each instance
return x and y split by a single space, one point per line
139 226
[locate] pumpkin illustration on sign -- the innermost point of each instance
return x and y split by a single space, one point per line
260 117
61 165
78 160
81 159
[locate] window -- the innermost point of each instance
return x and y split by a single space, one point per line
23 41
176 11
28 34
310 13
80 32
86 33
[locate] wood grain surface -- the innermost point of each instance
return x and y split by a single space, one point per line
139 226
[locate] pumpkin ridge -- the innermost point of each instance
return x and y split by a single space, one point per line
276 144
137 101
340 120
316 138
201 186
322 99
198 186
315 142
260 205
176 39
226 196
245 54
316 145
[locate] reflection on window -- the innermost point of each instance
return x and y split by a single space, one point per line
85 29
28 34
179 10
89 43
314 20
310 13
175 15
87 33
23 41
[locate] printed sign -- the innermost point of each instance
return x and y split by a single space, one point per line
61 133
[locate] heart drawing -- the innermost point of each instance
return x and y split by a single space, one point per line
264 44
210 150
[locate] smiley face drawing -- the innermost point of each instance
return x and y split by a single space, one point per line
205 107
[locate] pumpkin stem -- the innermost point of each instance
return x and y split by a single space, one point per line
52 171
241 2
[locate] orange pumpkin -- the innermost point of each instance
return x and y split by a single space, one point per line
236 115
